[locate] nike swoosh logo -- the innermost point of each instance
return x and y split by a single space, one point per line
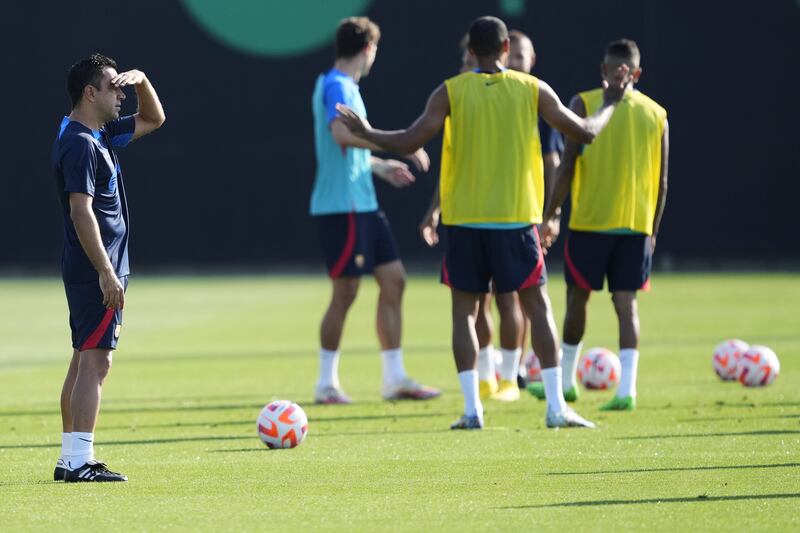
489 83
84 440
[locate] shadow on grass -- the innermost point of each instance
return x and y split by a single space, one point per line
757 433
209 438
647 501
728 418
346 434
676 469
253 421
160 409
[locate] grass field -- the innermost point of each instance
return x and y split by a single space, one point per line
199 357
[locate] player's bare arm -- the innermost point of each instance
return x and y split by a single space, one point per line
150 114
430 222
406 141
88 232
392 171
662 184
551 225
345 138
583 130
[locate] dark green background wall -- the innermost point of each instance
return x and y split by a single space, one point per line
227 180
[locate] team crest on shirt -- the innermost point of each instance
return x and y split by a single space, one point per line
117 331
359 260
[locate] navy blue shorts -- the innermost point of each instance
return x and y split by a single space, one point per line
93 326
625 260
356 243
474 257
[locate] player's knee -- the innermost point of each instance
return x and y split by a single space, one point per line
96 364
508 306
624 303
393 288
345 293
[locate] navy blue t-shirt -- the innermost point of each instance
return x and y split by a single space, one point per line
84 162
551 139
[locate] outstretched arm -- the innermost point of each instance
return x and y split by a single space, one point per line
662 185
402 141
583 130
149 115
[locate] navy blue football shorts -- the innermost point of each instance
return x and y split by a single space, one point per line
475 257
93 326
356 243
590 257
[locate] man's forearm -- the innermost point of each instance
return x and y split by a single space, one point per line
149 106
594 124
89 235
662 202
398 141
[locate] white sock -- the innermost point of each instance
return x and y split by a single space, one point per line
328 368
469 387
485 363
569 364
393 370
552 389
509 369
629 357
82 449
66 446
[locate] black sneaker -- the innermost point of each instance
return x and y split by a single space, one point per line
521 383
60 471
93 471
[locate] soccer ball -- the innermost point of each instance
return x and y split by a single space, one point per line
726 358
282 424
758 366
533 369
599 368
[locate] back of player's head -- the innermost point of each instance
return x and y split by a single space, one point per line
87 71
518 37
487 35
353 34
624 49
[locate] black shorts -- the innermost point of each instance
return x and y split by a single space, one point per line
356 243
93 326
625 260
475 257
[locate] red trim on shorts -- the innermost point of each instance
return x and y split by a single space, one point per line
580 281
445 273
646 285
97 335
536 274
349 246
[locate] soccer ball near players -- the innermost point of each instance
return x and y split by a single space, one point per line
757 367
533 369
726 358
282 424
599 368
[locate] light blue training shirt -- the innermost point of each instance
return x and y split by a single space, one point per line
343 181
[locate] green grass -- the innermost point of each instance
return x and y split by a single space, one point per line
199 357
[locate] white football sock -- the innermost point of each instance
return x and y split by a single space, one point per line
66 446
485 363
509 369
393 370
469 387
569 364
82 449
552 389
629 358
328 368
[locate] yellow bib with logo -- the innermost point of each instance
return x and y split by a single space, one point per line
617 177
492 168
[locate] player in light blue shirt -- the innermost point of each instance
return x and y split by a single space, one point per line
354 232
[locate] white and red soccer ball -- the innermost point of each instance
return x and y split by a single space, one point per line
758 366
282 424
533 368
599 368
726 358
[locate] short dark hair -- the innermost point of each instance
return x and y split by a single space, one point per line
87 71
353 34
624 49
487 35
